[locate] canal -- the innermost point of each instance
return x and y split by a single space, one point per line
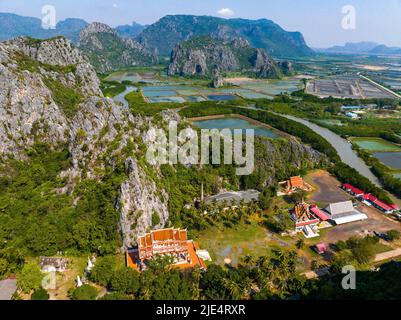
343 147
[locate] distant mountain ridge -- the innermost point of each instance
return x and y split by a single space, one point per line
371 48
130 31
171 30
162 36
12 26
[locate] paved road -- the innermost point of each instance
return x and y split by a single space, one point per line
7 288
380 257
388 255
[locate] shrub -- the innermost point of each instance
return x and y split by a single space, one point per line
30 277
103 270
155 219
85 292
125 280
394 235
66 98
40 294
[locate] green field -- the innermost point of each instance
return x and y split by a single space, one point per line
375 144
235 243
334 122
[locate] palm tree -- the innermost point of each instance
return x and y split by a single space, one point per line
300 244
248 260
233 288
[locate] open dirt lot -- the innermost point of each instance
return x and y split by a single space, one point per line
327 188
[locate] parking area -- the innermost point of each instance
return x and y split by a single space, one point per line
328 191
376 222
326 188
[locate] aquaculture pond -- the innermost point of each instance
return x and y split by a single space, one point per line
375 144
221 97
159 89
255 95
390 159
166 99
273 87
235 123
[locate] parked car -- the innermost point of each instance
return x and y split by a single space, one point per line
383 236
397 215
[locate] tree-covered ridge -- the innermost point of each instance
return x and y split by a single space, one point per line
37 219
166 33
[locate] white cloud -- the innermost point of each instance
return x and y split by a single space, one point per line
226 12
115 5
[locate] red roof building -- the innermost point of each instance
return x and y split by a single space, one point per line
302 216
321 248
169 241
353 190
382 206
297 183
319 213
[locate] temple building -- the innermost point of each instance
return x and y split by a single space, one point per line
305 220
295 184
344 212
49 264
172 242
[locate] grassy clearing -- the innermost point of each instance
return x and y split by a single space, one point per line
66 98
139 106
112 88
234 242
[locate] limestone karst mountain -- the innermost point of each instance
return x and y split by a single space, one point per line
199 56
107 51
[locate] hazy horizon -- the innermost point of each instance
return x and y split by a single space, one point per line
319 23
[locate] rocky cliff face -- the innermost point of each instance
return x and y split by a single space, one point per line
107 51
276 160
139 204
28 106
50 93
201 55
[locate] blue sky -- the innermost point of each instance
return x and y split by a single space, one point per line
318 20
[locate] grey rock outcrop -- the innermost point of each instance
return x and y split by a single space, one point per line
287 67
107 51
217 78
200 56
140 199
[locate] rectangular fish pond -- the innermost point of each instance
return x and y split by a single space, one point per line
390 159
235 123
375 144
